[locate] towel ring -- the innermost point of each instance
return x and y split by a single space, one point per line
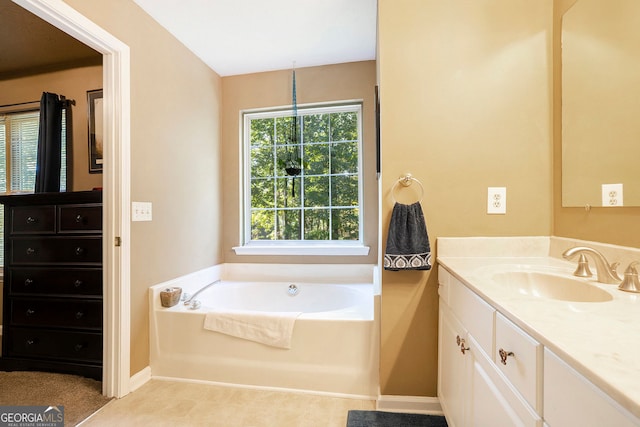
406 181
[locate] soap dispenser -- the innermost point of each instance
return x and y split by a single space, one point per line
630 283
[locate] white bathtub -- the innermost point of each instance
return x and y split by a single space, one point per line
335 341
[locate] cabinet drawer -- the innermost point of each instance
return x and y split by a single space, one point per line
519 357
45 250
571 400
443 283
80 218
33 219
55 281
475 314
51 344
56 313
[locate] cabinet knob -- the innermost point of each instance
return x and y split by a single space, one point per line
79 218
29 342
78 347
28 282
463 347
79 315
79 251
503 355
30 251
31 220
30 312
77 283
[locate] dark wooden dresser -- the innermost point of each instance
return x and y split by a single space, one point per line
52 306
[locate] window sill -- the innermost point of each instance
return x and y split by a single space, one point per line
302 250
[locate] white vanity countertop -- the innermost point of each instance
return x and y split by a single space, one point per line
601 340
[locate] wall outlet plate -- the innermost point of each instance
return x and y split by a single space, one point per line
612 195
497 200
141 211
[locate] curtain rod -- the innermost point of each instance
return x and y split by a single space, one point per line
18 104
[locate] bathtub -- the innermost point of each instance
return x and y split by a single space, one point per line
335 340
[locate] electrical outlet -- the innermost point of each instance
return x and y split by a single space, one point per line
612 195
141 211
497 200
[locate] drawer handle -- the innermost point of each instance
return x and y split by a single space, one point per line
30 312
504 354
78 347
28 282
79 218
79 251
79 315
30 342
30 251
31 220
77 283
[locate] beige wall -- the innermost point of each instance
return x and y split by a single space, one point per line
175 161
616 226
351 81
466 104
73 84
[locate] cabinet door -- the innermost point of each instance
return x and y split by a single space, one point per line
492 401
453 368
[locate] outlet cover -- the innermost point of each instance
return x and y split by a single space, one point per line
497 200
612 195
141 211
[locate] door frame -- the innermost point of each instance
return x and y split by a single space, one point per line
116 184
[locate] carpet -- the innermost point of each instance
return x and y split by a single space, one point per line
393 419
80 396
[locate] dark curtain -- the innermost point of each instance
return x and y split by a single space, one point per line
49 144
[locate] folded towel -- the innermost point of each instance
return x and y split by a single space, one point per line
274 329
407 242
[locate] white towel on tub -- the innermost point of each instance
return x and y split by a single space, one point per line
270 328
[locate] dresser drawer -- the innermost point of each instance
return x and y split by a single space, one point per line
50 344
55 281
80 218
33 219
56 313
519 358
45 250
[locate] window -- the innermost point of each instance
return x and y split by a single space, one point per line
304 191
18 154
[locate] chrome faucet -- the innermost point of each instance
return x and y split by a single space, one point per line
190 299
607 273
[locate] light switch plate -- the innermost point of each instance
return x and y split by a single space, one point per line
612 195
141 211
497 200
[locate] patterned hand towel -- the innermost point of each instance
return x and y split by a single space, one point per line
408 242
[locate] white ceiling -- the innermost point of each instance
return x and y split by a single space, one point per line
248 36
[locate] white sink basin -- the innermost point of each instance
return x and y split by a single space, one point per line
551 286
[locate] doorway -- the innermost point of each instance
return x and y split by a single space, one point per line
116 183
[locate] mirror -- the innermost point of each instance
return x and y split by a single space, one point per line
601 102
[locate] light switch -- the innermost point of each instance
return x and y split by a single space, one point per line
141 211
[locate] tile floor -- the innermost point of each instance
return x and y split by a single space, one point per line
169 403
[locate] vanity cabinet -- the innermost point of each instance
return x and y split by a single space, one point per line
52 306
473 387
491 372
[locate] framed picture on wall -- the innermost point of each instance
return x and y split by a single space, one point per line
94 101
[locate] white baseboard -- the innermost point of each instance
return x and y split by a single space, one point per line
410 404
139 379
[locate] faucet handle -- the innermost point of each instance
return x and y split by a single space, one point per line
630 283
583 267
